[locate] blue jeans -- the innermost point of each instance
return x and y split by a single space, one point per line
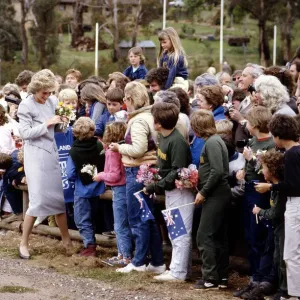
145 234
84 216
258 236
121 224
13 196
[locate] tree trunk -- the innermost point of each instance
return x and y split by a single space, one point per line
42 46
288 35
116 53
264 49
77 23
24 55
136 25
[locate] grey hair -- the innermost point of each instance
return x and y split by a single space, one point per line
205 79
10 87
42 80
257 70
167 97
219 76
274 95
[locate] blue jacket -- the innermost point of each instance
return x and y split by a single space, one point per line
101 123
179 70
198 143
140 73
84 191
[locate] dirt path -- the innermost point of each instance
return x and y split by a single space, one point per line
52 275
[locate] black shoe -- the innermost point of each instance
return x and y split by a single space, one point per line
245 289
111 234
205 284
223 284
280 296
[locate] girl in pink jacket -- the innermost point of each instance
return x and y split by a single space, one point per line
114 176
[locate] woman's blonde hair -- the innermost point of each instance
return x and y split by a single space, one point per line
138 94
114 132
203 123
84 128
171 34
139 52
67 94
42 80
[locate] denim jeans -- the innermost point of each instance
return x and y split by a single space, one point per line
13 196
121 224
84 216
145 234
258 236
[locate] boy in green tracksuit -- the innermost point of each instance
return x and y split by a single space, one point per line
273 165
214 195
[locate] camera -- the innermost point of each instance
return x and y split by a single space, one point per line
251 89
242 143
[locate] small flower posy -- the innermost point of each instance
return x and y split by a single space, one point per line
188 178
89 169
147 175
64 110
258 157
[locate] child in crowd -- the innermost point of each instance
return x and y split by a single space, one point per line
173 153
73 77
114 102
85 151
214 195
272 168
137 69
286 136
13 174
114 176
256 233
172 56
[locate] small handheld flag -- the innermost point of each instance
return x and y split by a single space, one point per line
174 223
145 212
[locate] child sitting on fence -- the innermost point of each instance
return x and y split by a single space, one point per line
83 163
114 176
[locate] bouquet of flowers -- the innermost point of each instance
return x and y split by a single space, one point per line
89 169
147 175
67 111
257 157
188 178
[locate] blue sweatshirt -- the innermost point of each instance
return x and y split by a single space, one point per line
101 123
198 143
180 70
84 191
140 73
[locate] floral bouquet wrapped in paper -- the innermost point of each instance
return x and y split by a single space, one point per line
66 111
188 178
258 158
147 175
87 173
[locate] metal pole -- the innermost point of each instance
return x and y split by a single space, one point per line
274 45
96 49
221 34
164 14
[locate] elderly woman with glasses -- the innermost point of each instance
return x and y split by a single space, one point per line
37 120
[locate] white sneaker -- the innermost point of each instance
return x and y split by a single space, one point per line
130 267
166 277
157 270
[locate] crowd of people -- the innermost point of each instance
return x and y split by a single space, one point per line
71 140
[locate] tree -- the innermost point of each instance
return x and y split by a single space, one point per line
262 11
25 8
145 12
44 32
77 23
9 31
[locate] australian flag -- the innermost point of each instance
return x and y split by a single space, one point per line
145 212
174 223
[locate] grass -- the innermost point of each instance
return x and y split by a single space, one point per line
15 289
